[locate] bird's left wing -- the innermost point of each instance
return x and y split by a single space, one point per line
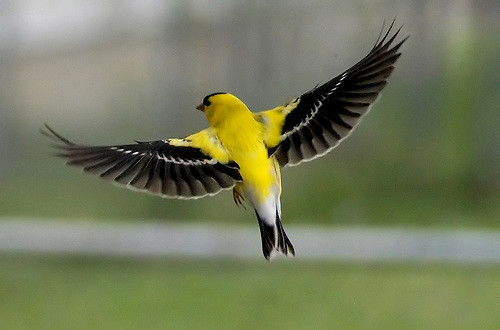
314 123
192 167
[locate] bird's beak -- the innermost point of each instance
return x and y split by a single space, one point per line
201 107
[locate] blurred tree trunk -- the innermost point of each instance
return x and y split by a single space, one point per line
459 108
10 23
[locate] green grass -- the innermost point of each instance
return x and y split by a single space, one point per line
82 293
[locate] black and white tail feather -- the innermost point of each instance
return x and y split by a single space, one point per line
274 238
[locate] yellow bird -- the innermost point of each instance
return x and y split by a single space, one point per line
242 150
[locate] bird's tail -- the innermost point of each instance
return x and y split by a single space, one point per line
274 238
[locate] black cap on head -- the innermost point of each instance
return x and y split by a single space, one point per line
206 102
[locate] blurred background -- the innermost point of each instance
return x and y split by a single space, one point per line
109 72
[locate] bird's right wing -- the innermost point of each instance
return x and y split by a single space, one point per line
317 121
192 167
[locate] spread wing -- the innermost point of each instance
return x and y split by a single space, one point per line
192 167
317 121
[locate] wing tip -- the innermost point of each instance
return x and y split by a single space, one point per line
53 135
384 41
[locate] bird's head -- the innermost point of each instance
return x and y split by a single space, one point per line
221 106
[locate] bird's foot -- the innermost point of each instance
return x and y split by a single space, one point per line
238 198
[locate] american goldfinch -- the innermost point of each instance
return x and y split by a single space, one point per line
243 150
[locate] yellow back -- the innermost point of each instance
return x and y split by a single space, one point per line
243 137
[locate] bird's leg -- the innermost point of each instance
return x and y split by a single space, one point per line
238 198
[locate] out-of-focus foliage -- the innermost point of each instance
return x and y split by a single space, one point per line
111 72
